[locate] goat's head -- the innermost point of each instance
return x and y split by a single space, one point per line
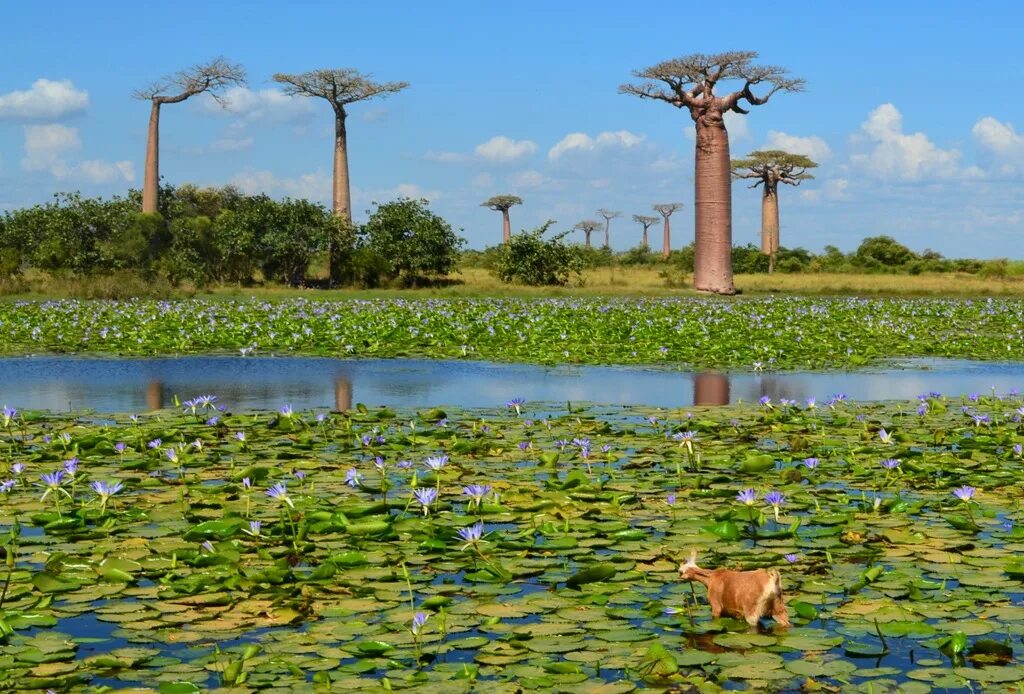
688 569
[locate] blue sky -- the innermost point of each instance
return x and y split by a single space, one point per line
913 109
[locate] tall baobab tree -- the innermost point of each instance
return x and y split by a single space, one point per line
666 210
646 222
689 82
608 216
340 88
210 78
502 203
769 168
587 226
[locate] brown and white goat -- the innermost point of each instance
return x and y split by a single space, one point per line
747 595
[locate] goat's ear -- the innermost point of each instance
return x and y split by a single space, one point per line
693 556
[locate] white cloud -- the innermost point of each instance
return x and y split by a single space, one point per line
581 142
811 146
47 147
737 125
1000 143
271 105
411 190
889 153
98 171
312 186
529 179
46 100
504 149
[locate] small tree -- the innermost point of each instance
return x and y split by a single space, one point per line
769 168
666 210
587 226
502 203
690 82
211 78
608 216
646 222
530 259
411 240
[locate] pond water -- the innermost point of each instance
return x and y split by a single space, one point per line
68 383
63 383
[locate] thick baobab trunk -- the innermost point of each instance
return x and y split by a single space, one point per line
342 204
587 234
607 236
151 178
713 211
710 388
666 245
644 242
506 227
770 225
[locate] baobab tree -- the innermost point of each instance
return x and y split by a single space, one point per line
340 88
209 78
608 216
689 82
587 226
646 222
502 203
666 210
769 168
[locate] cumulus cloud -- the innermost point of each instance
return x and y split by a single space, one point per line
1000 143
411 190
529 179
504 149
890 154
271 105
98 171
47 147
46 100
581 142
811 146
312 186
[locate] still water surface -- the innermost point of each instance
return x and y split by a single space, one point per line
135 385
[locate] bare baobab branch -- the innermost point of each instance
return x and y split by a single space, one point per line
205 78
691 81
587 226
646 222
608 216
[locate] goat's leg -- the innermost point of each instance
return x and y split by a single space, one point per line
779 612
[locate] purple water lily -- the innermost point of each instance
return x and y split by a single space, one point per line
964 493
419 620
747 496
426 496
810 463
436 462
472 534
279 493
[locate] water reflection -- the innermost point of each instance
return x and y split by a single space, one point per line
136 385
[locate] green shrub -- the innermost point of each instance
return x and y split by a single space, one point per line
530 259
411 241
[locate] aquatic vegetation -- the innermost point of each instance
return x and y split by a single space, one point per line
428 549
762 334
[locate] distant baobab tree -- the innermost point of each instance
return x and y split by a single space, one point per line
769 168
666 210
210 78
502 203
646 222
689 82
608 216
340 88
587 226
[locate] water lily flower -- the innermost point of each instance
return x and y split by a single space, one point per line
172 455
477 492
380 464
240 436
155 443
671 499
437 462
471 535
775 499
426 496
286 411
758 366
516 404
9 414
120 447
53 481
105 490
246 483
747 496
765 402
671 611
1018 450
418 621
810 403
352 477
6 486
254 528
885 436
792 558
524 445
208 546
213 421
71 466
810 463
279 492
18 468
403 464
890 463
964 493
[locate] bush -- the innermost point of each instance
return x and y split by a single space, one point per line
639 255
876 252
411 241
530 259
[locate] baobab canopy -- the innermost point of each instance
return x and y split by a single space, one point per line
502 203
690 82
